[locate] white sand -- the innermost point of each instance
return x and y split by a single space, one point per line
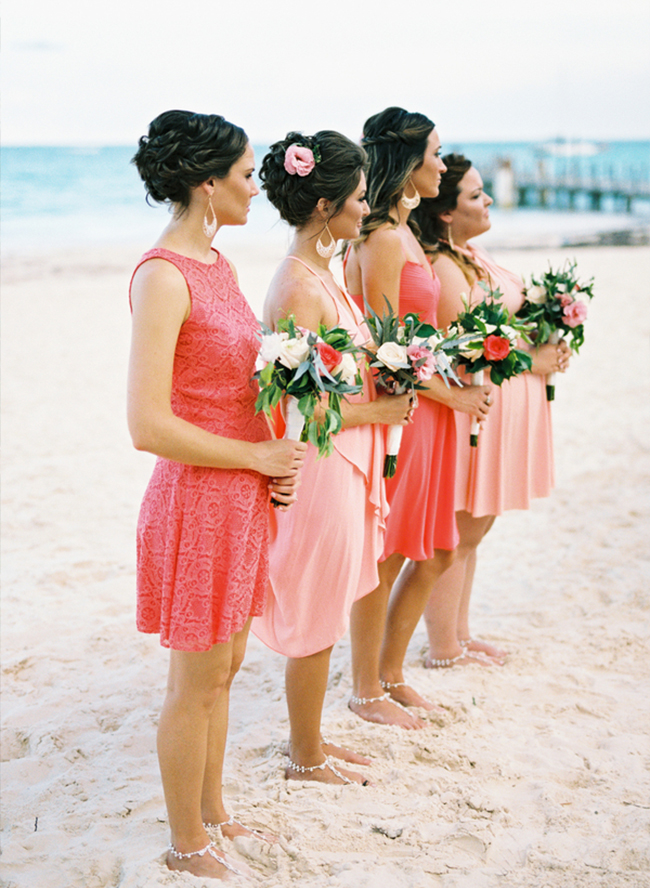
536 776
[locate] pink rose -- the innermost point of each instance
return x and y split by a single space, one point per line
299 160
565 300
575 314
496 348
422 361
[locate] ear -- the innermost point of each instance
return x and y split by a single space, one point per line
323 207
446 217
208 186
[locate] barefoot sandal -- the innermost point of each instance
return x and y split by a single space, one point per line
432 663
209 849
301 769
232 820
361 701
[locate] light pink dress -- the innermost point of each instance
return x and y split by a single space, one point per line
324 549
513 462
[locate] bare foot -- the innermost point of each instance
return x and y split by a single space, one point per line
324 773
383 711
405 695
477 645
344 754
211 864
233 829
465 658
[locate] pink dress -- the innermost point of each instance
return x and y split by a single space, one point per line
421 493
513 462
324 549
202 539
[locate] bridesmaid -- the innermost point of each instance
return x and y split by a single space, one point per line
388 261
513 462
203 527
324 551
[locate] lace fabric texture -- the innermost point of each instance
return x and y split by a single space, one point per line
202 538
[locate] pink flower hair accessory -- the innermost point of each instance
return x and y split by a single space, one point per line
299 160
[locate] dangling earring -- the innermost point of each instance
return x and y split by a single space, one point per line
210 228
449 237
410 203
326 251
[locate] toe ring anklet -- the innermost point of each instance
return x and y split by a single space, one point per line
232 820
438 664
209 849
301 769
361 701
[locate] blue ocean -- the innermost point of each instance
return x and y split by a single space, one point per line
67 196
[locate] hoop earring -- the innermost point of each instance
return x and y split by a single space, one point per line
449 237
410 203
326 251
210 228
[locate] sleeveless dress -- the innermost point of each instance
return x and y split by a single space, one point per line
421 493
324 549
202 538
513 462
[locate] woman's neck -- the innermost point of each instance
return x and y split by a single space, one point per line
185 235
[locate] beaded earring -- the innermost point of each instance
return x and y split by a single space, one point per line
410 203
326 251
210 228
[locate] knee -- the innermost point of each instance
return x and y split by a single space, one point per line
446 558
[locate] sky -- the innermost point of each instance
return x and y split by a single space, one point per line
76 73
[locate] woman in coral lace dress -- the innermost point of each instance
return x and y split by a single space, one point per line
203 526
513 462
324 551
389 263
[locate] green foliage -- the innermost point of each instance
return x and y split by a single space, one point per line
547 315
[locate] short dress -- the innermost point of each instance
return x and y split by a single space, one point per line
324 549
513 462
202 537
421 493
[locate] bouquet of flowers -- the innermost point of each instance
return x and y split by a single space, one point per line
305 366
557 306
490 343
406 353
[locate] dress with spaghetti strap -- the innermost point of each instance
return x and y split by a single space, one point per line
513 462
324 549
202 539
421 493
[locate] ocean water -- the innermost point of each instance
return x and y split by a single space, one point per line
54 197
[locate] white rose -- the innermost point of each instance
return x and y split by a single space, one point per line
490 328
472 353
393 355
536 295
293 352
270 348
347 368
581 296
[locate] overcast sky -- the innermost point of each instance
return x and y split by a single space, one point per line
76 72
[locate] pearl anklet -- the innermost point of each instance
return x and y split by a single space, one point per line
209 849
302 769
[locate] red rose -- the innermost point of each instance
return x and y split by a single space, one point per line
496 348
329 356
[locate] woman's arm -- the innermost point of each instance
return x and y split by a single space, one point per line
161 304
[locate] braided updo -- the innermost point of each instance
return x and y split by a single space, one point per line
395 141
182 150
335 175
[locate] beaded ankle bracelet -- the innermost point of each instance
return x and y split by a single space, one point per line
209 849
301 769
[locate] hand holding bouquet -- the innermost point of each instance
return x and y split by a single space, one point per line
305 366
557 306
490 335
405 355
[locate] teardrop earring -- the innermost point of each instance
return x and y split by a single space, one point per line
210 228
449 237
326 251
410 203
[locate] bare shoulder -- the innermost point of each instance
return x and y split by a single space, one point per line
450 274
384 242
158 280
294 290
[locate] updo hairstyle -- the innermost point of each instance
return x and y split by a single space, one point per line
335 175
435 232
395 141
182 150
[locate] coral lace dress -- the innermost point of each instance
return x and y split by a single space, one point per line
202 539
421 493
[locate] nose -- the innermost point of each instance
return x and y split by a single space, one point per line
255 189
489 200
365 209
441 165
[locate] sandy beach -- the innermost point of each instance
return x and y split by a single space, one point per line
536 776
